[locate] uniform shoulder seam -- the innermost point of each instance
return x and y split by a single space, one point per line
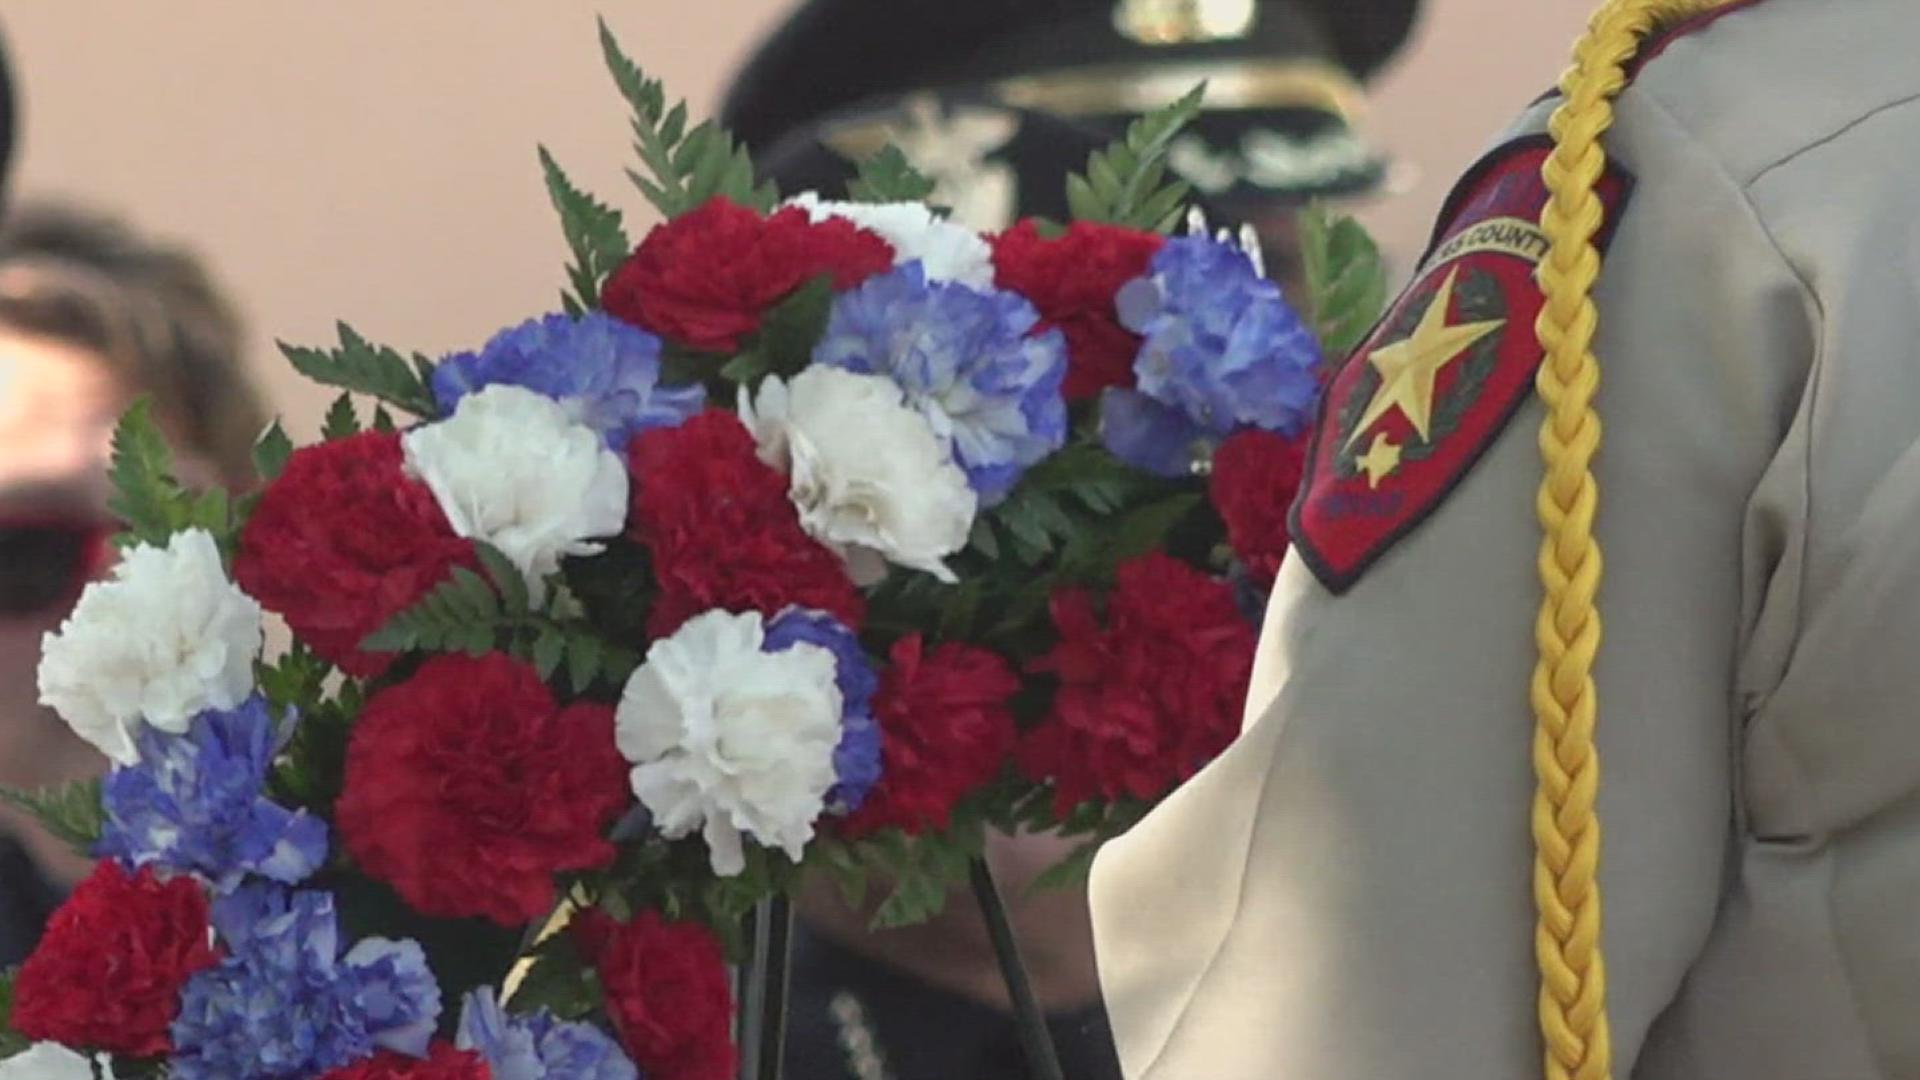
1832 136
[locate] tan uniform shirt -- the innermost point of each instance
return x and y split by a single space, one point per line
1345 894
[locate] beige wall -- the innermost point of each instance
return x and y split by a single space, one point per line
373 160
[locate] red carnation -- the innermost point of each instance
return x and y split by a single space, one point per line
445 1063
667 993
1255 476
722 532
1149 698
706 278
468 788
108 972
945 730
1072 280
342 541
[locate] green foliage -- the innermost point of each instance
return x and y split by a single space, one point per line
1053 501
902 880
11 1042
784 344
460 615
1070 872
1072 520
888 176
477 614
594 236
685 168
71 811
559 981
1126 184
365 368
1346 279
297 681
311 767
270 453
922 872
675 878
1094 823
342 421
147 497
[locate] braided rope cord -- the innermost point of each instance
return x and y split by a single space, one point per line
1566 826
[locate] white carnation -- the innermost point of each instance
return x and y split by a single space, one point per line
868 474
947 252
166 639
510 468
51 1061
732 740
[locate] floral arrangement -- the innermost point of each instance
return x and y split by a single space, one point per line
809 537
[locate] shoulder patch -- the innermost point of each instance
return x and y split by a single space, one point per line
1406 416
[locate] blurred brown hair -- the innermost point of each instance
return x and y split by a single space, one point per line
150 310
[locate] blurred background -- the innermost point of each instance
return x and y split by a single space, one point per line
374 161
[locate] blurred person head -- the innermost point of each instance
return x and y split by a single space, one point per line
92 316
999 100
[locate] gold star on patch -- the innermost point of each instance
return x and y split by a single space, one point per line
1380 460
1408 368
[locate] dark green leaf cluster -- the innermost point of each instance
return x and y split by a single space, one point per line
478 614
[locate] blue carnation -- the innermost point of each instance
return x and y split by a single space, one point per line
965 360
393 993
856 760
284 1005
1222 350
605 371
195 803
538 1046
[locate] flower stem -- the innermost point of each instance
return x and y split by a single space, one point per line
1043 1062
765 990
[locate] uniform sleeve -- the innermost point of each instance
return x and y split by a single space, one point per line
1345 895
1817 949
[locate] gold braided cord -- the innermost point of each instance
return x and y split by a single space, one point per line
1566 825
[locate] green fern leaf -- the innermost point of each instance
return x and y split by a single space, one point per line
365 368
71 812
1126 184
888 176
146 497
684 168
1346 278
594 235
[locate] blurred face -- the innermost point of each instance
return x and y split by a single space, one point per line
58 405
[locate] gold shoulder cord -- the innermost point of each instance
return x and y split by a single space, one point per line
1566 827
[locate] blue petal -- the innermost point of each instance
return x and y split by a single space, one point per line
605 371
1149 435
856 759
964 358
